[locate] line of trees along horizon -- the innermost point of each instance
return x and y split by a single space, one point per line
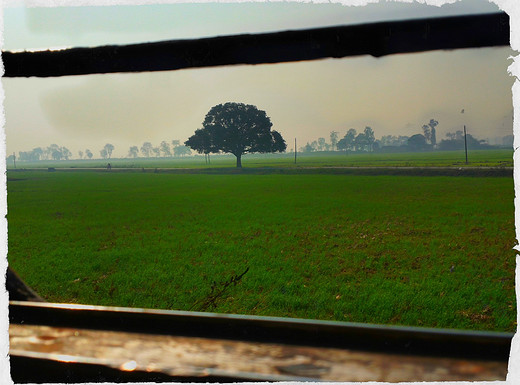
352 141
57 153
365 141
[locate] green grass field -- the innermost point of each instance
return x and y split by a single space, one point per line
424 251
476 158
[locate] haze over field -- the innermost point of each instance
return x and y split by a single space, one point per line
393 95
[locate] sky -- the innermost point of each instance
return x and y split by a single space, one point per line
395 95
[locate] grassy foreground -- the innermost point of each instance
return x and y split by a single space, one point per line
424 251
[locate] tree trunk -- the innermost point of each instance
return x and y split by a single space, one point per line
239 160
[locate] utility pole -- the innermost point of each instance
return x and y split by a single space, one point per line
295 151
465 144
465 140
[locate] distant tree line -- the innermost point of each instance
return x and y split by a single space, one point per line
365 141
352 141
218 135
165 150
57 153
52 152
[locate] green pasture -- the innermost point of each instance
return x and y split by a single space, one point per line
476 158
423 251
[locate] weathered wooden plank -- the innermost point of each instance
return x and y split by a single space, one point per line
376 39
203 357
345 335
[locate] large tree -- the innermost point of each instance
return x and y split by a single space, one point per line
237 129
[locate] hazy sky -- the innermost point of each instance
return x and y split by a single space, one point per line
394 95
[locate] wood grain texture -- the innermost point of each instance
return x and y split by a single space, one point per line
200 357
375 39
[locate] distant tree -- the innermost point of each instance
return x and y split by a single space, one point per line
165 148
388 140
104 153
25 156
342 144
450 135
321 144
146 149
109 148
181 151
65 153
236 128
156 151
402 140
350 138
88 153
31 156
433 135
334 139
427 133
176 142
347 142
55 152
361 142
46 153
369 137
80 153
394 141
456 142
53 147
38 153
308 148
417 142
133 152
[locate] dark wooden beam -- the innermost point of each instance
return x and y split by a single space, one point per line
333 334
376 39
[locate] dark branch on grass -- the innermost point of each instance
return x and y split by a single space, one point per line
217 291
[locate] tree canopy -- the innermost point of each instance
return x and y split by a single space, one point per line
236 128
417 142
